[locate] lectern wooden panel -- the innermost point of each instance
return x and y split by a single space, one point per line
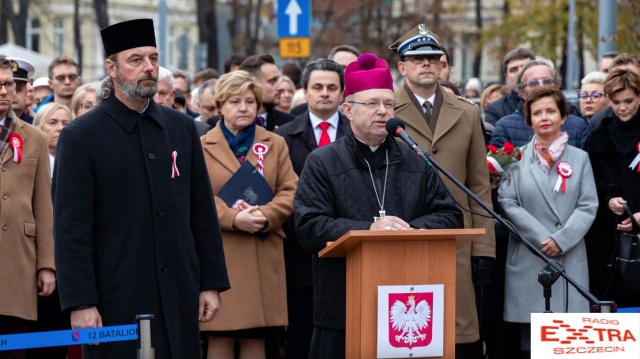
396 258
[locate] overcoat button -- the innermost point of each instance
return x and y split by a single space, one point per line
152 156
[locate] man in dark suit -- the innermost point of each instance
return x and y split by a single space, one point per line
323 84
264 70
135 228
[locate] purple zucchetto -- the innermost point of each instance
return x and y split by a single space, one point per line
366 73
128 35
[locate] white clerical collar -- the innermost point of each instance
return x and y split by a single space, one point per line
146 106
333 120
373 149
421 100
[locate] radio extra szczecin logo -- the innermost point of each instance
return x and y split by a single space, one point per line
611 335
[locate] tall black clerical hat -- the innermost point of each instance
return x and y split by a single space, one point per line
128 35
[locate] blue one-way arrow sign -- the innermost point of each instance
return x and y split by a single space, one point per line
294 18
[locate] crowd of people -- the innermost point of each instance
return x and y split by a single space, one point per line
205 200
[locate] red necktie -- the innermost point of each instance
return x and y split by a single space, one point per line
324 137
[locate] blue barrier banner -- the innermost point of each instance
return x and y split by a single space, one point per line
629 310
68 337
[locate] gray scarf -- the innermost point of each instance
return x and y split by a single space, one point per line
9 127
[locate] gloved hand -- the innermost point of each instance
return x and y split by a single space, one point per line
481 270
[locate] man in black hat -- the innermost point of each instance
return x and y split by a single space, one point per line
449 128
136 228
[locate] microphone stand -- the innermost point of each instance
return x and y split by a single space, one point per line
551 272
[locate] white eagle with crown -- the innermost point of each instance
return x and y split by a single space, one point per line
410 321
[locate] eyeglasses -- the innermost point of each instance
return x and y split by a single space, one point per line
8 85
540 82
375 104
88 106
419 60
595 96
60 78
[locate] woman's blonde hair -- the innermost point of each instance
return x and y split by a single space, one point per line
236 83
45 112
287 79
484 97
78 95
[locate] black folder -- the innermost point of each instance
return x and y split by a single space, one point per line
247 184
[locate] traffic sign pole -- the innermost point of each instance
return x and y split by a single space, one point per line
294 28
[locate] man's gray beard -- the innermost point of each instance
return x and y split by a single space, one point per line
133 91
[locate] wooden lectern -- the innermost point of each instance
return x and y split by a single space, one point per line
396 258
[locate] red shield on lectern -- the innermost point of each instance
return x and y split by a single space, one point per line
410 319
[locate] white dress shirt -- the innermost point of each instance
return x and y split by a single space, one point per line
334 120
421 101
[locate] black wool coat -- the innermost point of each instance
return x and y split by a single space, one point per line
301 140
335 195
613 178
129 238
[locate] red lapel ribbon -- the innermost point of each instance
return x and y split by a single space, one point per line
174 167
260 149
565 171
17 143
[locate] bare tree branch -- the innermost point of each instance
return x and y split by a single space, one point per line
101 13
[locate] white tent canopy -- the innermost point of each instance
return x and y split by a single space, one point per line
40 62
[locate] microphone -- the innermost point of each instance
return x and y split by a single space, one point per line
395 127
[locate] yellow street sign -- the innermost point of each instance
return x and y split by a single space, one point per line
295 47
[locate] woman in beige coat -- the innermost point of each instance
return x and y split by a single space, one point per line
252 235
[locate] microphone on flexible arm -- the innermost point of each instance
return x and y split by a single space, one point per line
395 127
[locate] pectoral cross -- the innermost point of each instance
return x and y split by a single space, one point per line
382 214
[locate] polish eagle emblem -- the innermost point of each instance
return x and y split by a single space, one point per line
410 322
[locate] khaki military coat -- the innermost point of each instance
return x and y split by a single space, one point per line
26 219
458 145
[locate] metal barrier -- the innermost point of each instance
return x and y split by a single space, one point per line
145 339
143 326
